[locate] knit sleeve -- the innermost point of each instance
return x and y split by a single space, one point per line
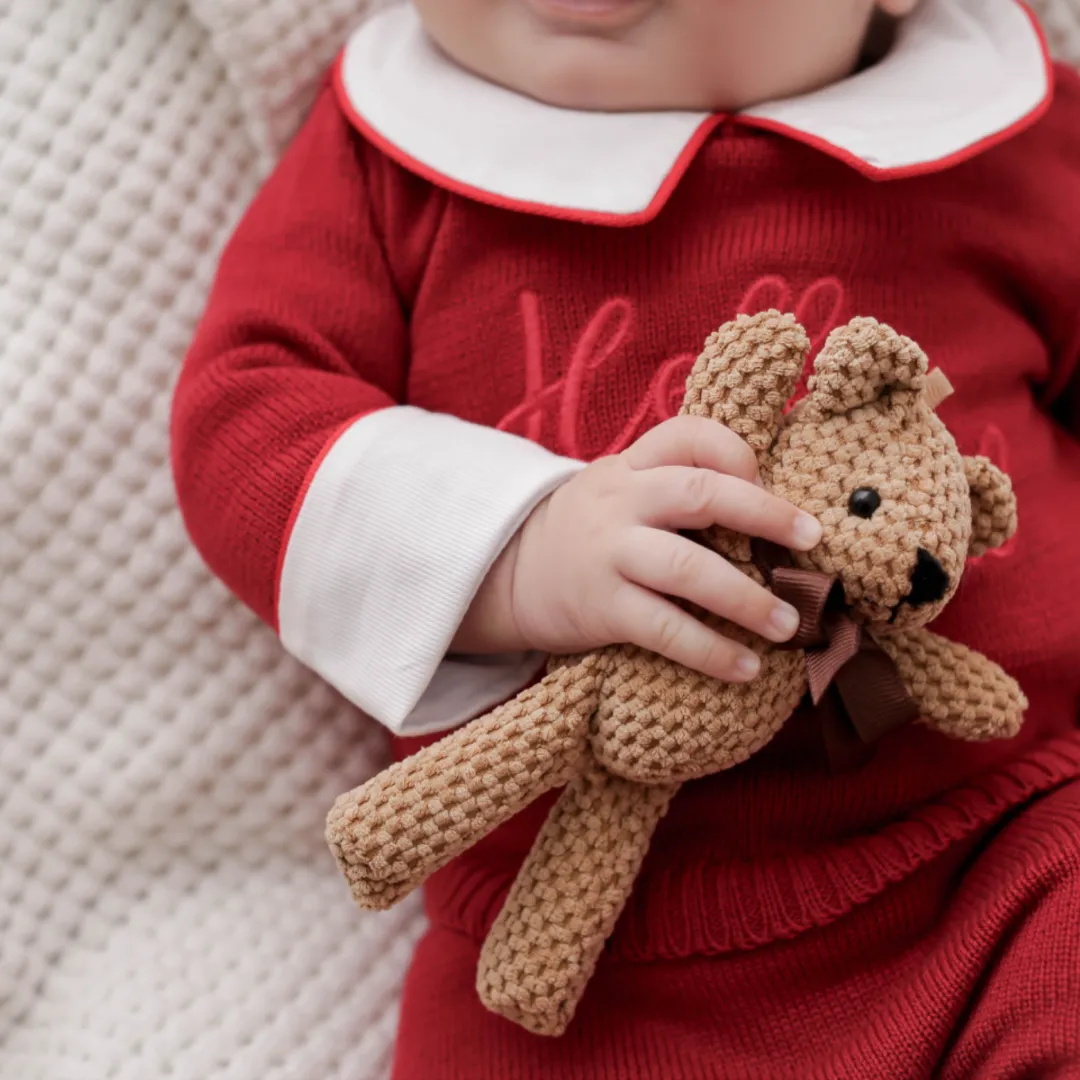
358 526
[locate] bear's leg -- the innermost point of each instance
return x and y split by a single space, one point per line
567 898
395 831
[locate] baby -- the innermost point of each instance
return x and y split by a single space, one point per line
427 431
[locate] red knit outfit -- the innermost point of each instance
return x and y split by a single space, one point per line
918 918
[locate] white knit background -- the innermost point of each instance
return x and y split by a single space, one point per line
167 907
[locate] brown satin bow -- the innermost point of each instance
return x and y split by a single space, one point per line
854 683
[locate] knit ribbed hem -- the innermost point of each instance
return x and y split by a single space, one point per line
969 967
710 909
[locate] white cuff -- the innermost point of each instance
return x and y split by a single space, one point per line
398 526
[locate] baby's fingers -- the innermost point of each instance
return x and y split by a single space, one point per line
695 442
642 618
675 566
675 498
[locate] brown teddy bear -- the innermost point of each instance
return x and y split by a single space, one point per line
623 728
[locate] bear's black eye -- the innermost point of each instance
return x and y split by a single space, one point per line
864 502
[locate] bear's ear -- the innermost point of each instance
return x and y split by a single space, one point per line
746 375
860 363
993 506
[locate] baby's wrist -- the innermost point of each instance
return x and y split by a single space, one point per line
489 625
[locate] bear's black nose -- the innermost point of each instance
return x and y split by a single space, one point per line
929 582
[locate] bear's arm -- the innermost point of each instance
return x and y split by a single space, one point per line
960 692
399 828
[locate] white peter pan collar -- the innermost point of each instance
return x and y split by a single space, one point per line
963 76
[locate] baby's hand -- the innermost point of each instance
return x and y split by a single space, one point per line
594 562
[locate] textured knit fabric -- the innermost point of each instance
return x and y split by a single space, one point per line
146 719
964 971
352 285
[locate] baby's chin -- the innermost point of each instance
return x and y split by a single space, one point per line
583 91
639 55
601 75
632 73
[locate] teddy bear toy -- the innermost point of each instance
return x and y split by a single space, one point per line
620 729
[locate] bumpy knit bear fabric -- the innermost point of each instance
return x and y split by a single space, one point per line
961 693
626 726
993 508
865 425
565 902
202 937
659 722
415 817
